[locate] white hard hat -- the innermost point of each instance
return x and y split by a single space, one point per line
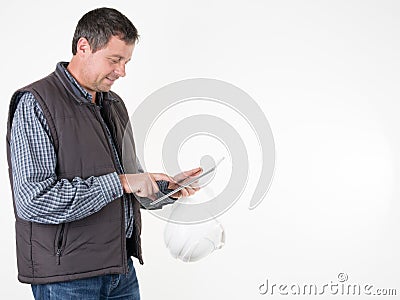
192 242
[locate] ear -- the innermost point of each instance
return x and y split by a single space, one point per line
83 47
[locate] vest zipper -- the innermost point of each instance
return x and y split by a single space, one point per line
99 118
59 243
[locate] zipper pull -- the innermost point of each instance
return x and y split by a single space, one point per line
58 254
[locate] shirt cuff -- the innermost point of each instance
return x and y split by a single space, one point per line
110 186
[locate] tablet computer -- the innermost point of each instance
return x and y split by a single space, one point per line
183 184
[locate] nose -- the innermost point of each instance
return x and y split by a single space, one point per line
120 70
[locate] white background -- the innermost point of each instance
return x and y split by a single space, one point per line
326 75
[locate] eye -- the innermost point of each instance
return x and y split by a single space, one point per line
114 60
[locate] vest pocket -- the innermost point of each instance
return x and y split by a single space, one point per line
59 242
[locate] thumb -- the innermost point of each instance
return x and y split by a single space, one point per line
193 172
162 176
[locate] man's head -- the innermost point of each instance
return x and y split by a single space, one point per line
103 43
99 25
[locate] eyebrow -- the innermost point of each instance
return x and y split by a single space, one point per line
119 57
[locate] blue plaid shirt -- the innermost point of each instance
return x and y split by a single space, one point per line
39 197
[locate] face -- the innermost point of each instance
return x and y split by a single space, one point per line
102 68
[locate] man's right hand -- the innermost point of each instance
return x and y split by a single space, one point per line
142 184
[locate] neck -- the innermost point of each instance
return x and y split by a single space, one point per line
75 70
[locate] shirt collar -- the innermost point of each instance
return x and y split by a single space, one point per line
76 85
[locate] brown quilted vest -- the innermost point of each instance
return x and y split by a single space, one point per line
95 245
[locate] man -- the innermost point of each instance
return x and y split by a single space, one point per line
77 217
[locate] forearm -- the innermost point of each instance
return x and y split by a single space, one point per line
54 202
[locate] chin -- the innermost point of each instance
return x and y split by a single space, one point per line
104 89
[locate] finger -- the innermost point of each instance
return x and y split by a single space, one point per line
154 185
185 192
173 186
195 172
187 174
191 191
152 197
177 195
195 184
196 189
162 176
